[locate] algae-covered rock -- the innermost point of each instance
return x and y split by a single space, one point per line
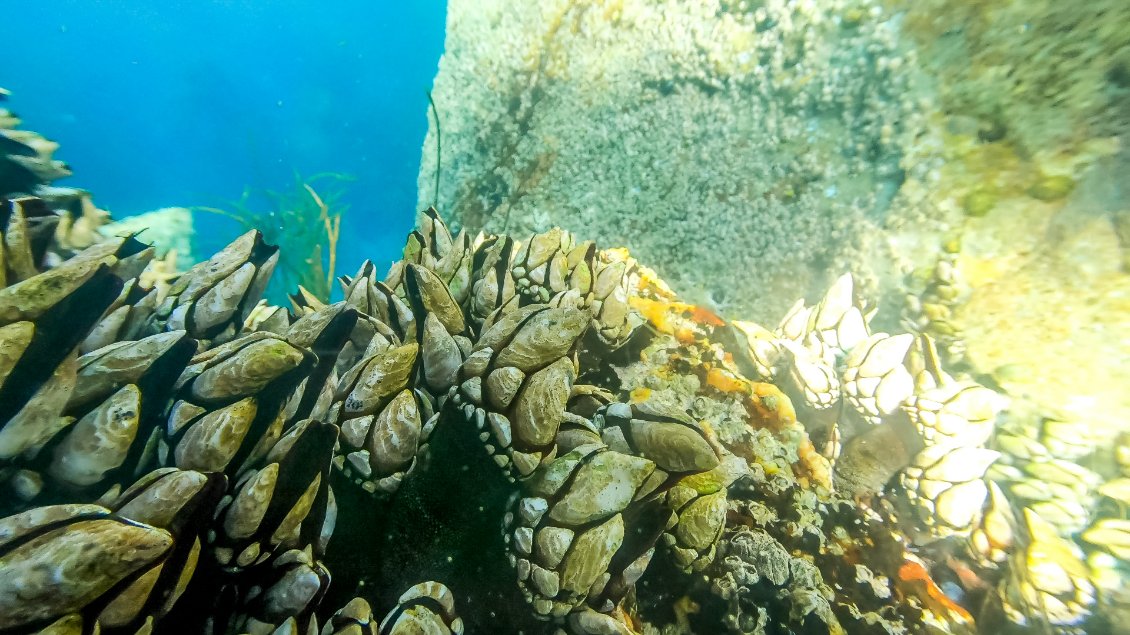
168 229
749 148
1043 74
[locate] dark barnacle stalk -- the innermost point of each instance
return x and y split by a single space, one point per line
428 531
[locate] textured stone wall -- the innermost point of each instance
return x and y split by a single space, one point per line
750 150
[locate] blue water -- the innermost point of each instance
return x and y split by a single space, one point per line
188 102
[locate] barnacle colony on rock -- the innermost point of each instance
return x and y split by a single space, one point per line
28 166
500 436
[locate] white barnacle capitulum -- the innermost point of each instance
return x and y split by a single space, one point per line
945 489
876 380
1050 584
959 412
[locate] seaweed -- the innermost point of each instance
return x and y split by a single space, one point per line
439 148
306 224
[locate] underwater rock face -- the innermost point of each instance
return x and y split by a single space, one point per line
751 147
1043 75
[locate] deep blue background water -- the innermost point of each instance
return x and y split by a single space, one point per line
187 102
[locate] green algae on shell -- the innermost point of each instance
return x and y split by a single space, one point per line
979 202
1049 188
